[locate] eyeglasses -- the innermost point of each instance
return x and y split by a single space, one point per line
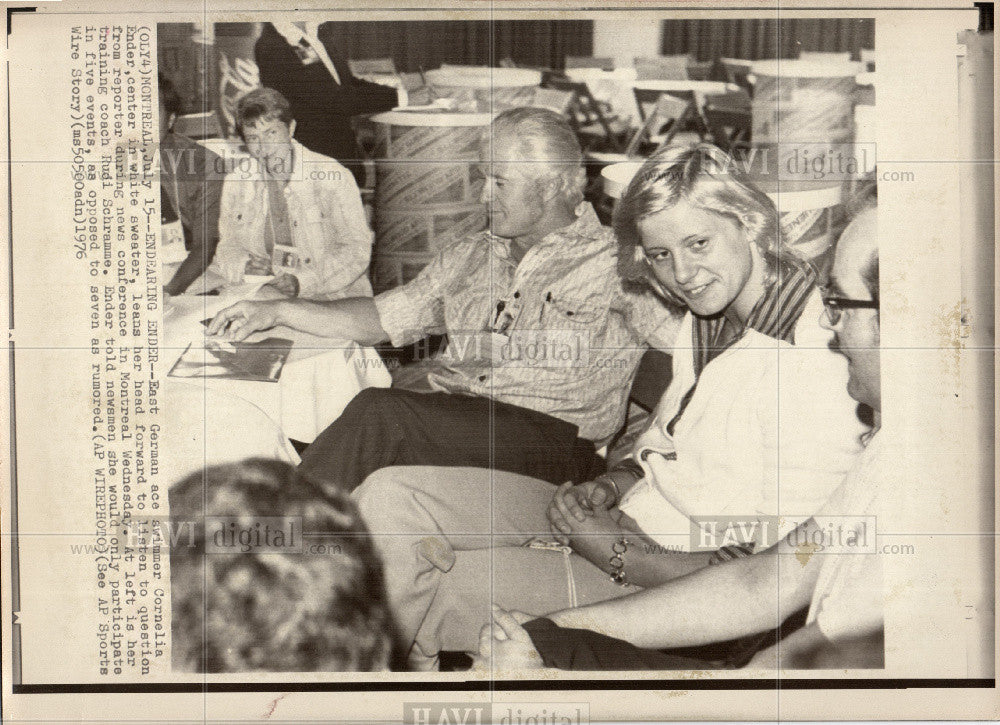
835 306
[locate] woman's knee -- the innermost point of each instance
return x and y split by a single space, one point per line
389 507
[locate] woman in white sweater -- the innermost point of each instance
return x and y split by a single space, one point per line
727 443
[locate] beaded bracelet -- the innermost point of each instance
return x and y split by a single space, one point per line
617 562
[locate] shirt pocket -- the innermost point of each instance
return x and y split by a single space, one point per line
560 312
309 234
243 220
310 219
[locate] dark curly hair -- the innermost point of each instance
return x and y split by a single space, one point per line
237 609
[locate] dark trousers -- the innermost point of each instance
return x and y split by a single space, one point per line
582 649
384 427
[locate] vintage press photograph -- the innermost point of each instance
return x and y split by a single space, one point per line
575 356
589 279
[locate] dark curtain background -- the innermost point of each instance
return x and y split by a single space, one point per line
760 39
428 44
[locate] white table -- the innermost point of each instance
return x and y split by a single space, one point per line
320 377
203 426
703 87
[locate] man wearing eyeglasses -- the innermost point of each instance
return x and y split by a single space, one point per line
828 563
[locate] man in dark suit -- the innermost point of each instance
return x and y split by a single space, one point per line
322 92
190 189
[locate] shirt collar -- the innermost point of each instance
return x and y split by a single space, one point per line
297 148
775 314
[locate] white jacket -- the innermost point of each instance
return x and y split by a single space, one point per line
769 431
327 218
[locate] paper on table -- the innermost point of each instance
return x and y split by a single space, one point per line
258 361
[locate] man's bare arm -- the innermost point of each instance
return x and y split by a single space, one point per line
355 318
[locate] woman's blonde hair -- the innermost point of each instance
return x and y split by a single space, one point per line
707 178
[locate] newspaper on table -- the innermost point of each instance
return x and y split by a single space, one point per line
86 605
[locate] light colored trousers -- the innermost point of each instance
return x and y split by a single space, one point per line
452 542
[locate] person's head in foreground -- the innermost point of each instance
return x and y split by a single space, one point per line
319 606
264 121
681 613
692 224
534 173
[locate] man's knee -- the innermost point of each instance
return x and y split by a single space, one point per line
342 453
369 401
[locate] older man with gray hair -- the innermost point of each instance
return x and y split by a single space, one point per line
543 339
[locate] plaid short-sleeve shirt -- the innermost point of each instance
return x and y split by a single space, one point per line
556 333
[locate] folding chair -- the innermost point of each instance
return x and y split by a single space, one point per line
737 71
580 61
552 99
729 121
676 110
667 110
586 115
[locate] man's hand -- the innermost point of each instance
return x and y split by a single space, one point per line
573 504
505 645
243 319
258 266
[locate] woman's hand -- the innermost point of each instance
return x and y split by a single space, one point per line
573 504
594 536
505 645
